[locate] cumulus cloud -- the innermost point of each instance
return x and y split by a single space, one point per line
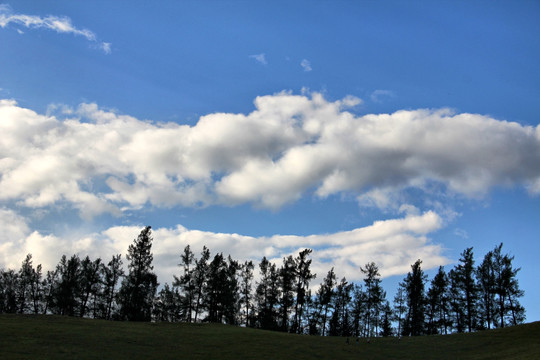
101 161
261 58
394 244
306 65
60 24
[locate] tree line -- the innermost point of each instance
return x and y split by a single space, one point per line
223 290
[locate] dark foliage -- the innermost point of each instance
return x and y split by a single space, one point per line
139 287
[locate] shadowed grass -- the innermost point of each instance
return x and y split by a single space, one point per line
55 337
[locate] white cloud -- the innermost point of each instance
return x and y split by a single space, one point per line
393 244
100 161
261 58
60 24
378 95
306 65
461 233
106 47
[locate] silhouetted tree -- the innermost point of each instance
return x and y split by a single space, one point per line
325 296
457 302
466 287
438 304
167 305
400 306
30 292
231 292
386 320
222 290
246 276
49 284
358 311
287 277
111 275
186 282
139 287
414 286
313 311
267 295
66 289
200 276
90 284
485 274
507 289
340 322
375 296
9 283
303 278
217 277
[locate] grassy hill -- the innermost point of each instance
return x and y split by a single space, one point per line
54 337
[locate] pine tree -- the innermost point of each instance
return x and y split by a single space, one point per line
358 311
65 287
386 320
325 296
400 305
200 277
90 284
36 291
186 282
222 298
139 287
246 276
507 289
287 279
414 285
340 322
111 275
313 314
303 278
486 285
49 284
457 302
375 296
30 292
217 278
466 287
267 295
438 304
9 283
231 292
167 305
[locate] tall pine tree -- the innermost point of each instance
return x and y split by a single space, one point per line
466 287
414 285
303 278
139 287
375 297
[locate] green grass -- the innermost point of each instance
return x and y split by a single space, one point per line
55 337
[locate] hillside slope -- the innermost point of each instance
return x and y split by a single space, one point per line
54 337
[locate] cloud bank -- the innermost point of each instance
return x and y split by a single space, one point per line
99 161
60 24
394 244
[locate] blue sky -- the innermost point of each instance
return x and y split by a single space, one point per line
370 131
